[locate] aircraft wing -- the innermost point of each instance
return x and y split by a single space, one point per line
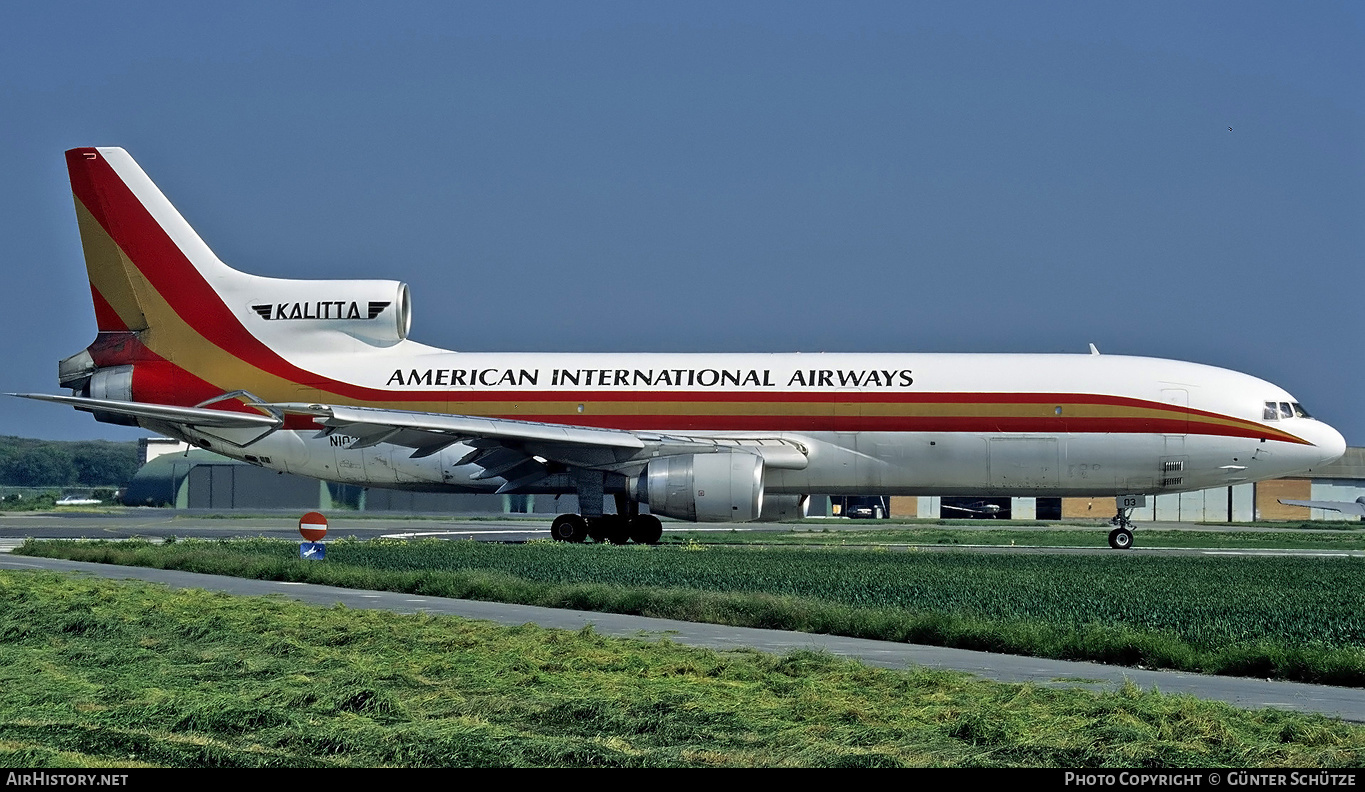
430 432
187 416
519 452
1345 507
524 452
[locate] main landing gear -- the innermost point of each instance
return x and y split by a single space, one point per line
626 525
615 528
1121 538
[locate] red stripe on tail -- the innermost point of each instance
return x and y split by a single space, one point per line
106 318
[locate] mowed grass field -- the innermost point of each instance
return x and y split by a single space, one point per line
1271 617
97 673
1321 536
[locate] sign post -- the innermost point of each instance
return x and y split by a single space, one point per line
313 526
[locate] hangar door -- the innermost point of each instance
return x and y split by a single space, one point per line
245 486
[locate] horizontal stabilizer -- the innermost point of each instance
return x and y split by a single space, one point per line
1355 507
188 416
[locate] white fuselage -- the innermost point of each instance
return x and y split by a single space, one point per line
909 424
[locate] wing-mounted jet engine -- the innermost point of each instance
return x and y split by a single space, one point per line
724 487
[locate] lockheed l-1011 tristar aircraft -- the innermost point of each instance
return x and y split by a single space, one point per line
319 378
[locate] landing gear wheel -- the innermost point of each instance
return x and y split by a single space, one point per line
569 528
618 530
1121 538
646 529
609 528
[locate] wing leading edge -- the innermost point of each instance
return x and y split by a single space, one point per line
165 413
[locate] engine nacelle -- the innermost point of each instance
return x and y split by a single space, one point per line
723 487
374 311
113 382
116 383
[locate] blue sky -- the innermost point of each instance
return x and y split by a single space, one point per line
641 176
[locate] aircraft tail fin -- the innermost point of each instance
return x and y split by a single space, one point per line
178 326
148 268
132 236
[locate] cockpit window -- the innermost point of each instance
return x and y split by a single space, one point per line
1274 411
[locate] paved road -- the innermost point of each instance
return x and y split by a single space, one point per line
1345 703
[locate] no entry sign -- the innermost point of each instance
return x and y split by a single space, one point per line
313 526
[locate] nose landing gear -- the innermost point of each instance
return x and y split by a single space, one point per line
1121 538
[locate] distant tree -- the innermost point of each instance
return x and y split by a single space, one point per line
102 463
26 462
40 466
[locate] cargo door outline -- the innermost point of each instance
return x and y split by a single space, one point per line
1024 463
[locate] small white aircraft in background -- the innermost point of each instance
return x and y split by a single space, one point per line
319 378
78 500
981 509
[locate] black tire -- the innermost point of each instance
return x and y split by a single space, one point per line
569 528
618 529
1121 539
646 529
609 528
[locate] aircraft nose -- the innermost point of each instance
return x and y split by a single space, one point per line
1329 443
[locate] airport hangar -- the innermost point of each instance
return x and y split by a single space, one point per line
174 475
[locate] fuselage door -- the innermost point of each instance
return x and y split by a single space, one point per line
1176 421
848 411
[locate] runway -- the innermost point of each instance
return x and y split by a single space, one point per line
183 524
1345 703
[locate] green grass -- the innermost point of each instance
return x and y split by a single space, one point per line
100 673
997 535
1287 618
